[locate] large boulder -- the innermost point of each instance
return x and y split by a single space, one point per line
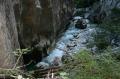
81 24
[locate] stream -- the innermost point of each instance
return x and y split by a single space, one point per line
72 41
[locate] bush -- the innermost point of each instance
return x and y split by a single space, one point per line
112 24
101 40
84 3
87 66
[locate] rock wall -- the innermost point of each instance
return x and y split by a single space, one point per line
8 34
108 5
44 19
30 23
102 9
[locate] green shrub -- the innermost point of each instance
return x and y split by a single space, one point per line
116 11
112 24
88 66
101 39
84 3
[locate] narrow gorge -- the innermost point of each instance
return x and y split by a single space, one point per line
38 35
31 24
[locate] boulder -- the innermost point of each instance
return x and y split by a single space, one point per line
80 24
57 61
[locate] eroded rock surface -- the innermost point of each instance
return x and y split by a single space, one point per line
25 23
103 9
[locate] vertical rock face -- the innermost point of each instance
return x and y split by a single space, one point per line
30 23
103 8
44 19
107 5
8 34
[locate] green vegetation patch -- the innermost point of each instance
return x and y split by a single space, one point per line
112 24
84 3
87 66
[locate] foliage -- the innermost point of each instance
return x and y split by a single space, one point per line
88 66
112 24
18 52
84 3
116 11
101 40
16 71
63 75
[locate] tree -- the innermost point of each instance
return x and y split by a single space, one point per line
84 3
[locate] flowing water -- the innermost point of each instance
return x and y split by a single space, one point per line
72 41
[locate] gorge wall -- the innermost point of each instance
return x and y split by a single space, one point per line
30 23
103 9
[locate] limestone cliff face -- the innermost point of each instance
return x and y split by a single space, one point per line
27 23
44 19
8 34
103 8
108 5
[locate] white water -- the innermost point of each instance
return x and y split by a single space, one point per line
72 41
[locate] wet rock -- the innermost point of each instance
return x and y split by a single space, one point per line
71 45
75 35
57 61
66 58
77 18
42 65
80 24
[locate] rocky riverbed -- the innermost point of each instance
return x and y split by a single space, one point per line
73 40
